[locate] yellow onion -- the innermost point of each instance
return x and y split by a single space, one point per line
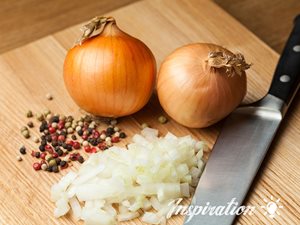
110 74
200 84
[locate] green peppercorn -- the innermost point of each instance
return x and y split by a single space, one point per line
52 162
144 125
26 134
40 117
48 158
23 129
162 119
47 112
29 114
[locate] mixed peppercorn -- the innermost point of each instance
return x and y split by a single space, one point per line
62 139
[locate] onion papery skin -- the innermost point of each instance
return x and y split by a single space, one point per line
195 94
111 74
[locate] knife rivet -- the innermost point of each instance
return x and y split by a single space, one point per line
284 78
296 48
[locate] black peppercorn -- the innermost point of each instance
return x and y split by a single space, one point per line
55 169
48 138
80 159
37 155
23 150
64 145
57 148
60 152
69 148
80 132
42 147
74 137
49 169
58 160
122 135
63 163
54 144
54 119
110 131
73 157
43 142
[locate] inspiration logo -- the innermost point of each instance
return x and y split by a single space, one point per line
231 208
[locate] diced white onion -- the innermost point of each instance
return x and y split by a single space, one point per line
150 173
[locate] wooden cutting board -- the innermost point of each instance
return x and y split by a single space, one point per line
29 72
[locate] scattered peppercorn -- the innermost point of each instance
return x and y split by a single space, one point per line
80 159
19 158
44 166
37 155
36 139
23 129
55 169
144 125
110 131
30 124
22 150
74 137
39 117
162 119
36 166
26 134
49 96
122 135
52 162
29 114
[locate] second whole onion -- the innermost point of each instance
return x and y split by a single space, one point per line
200 84
110 74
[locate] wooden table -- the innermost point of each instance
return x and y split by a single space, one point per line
29 72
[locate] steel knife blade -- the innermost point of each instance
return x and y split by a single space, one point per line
243 143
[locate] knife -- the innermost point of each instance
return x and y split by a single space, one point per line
243 143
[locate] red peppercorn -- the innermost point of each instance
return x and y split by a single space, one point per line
76 145
49 148
43 155
70 142
87 149
115 139
96 134
74 156
52 130
54 137
36 166
102 146
61 138
54 155
93 150
33 153
84 137
60 126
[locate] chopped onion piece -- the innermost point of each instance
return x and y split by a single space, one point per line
114 185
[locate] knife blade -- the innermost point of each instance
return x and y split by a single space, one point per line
243 143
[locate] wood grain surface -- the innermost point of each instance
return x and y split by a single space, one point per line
23 21
29 72
270 20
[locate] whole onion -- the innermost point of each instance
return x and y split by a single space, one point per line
110 74
200 84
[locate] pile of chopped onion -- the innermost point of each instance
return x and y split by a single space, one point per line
121 184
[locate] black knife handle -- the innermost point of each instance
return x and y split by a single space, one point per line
287 74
